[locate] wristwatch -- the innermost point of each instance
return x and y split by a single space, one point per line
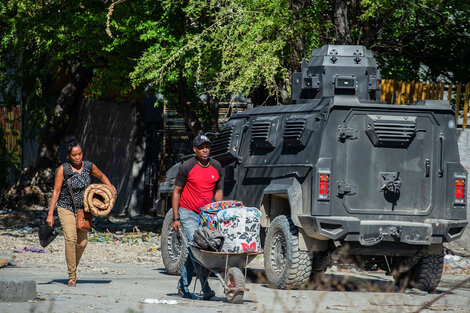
176 219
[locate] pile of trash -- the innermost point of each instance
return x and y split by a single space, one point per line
22 245
456 265
134 237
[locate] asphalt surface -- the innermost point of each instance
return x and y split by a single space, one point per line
123 287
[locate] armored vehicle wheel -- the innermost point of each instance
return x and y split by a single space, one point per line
285 265
235 279
174 251
425 275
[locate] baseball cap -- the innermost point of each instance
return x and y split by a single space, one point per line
199 140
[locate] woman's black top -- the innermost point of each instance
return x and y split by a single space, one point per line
80 181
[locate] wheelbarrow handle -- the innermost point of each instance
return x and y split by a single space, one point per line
186 243
183 235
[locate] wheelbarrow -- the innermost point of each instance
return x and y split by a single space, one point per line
226 266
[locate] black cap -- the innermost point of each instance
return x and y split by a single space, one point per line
199 140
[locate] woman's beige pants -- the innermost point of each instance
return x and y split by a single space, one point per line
75 240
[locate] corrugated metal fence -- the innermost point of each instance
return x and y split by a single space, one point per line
400 92
10 122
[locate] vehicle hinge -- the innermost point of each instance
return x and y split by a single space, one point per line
345 132
346 189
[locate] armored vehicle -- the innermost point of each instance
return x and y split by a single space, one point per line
341 175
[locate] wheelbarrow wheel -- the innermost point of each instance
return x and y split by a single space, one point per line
235 279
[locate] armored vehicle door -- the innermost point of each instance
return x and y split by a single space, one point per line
388 161
226 149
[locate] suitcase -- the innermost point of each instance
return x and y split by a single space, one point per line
208 218
241 228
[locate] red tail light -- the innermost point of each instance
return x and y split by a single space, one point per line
460 190
324 186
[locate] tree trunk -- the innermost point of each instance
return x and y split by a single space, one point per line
35 184
213 105
343 33
66 105
260 97
183 108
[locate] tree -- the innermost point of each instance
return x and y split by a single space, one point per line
58 52
198 53
412 40
232 47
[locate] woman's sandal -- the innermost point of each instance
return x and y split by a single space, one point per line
72 282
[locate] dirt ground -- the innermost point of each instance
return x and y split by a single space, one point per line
112 240
133 243
123 252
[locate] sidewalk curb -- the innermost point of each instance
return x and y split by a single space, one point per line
17 290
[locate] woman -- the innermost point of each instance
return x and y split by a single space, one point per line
78 172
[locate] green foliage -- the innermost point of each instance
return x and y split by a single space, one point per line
202 52
420 40
230 47
42 40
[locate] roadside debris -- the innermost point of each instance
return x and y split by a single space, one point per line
5 211
6 261
27 230
454 264
157 301
25 249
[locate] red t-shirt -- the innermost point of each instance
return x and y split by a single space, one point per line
198 182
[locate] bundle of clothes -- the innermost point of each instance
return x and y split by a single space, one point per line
228 226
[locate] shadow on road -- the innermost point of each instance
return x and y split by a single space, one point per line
197 296
337 282
326 282
80 281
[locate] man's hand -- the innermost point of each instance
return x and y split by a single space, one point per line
50 220
176 225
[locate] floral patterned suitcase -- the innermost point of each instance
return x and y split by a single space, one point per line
207 217
241 227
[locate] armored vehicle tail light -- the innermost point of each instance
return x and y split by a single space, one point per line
324 186
460 190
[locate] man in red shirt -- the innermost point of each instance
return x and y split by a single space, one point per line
197 182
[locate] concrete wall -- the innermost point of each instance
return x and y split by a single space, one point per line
112 137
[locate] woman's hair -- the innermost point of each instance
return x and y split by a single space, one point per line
71 143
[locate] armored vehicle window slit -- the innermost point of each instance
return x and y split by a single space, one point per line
297 131
263 135
221 146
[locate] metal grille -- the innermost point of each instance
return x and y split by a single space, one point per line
221 144
293 130
260 135
260 131
394 132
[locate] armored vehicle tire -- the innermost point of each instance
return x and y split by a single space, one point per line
285 265
425 275
174 251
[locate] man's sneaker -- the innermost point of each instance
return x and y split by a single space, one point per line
184 292
208 295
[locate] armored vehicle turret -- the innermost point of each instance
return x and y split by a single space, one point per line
337 70
340 172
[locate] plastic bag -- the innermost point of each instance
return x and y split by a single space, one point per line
46 234
206 239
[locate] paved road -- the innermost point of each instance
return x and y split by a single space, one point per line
120 287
